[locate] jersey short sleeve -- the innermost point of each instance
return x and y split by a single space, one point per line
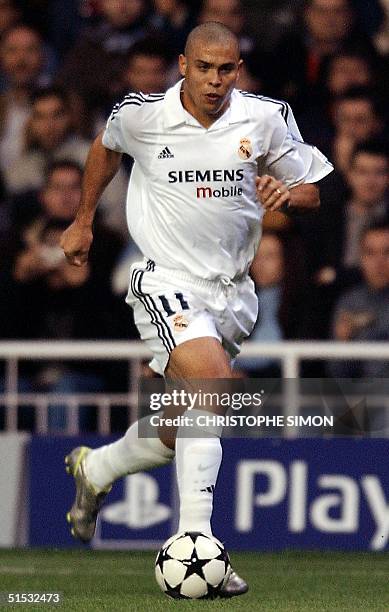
290 159
123 124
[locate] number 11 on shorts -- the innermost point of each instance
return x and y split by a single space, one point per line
166 306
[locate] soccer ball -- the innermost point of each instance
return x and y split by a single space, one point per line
192 565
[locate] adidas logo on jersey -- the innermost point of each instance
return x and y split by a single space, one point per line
165 154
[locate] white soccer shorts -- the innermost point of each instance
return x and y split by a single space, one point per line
171 307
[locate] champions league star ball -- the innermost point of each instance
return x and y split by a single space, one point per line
192 565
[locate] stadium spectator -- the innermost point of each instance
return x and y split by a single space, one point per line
348 69
283 16
350 74
252 75
63 22
59 199
95 64
174 19
381 38
5 214
58 202
340 229
367 181
273 19
232 14
146 69
45 299
9 14
278 271
368 15
356 117
362 314
300 57
371 14
21 65
49 136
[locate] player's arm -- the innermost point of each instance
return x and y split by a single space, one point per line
101 166
292 168
276 195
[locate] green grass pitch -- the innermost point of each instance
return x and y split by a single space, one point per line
116 581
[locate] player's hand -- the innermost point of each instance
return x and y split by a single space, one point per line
271 193
76 242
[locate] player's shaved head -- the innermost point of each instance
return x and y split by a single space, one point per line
210 68
211 33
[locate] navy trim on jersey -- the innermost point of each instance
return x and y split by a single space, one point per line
128 103
134 98
156 95
137 99
156 316
284 106
131 97
155 100
137 102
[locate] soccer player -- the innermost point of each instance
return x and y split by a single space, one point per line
194 208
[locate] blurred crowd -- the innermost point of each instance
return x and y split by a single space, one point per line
63 65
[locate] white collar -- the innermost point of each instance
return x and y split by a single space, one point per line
175 114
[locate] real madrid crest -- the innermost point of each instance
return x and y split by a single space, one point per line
180 323
245 148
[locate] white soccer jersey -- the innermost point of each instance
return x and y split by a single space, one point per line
191 202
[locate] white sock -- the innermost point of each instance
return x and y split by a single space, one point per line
128 455
198 461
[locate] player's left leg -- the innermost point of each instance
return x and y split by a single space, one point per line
95 470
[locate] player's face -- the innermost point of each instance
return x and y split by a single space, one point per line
210 72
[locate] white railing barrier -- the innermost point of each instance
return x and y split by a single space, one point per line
290 355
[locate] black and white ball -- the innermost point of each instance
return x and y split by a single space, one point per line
192 565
